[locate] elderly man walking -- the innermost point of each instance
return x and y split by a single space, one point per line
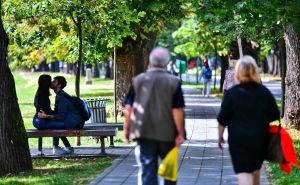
154 115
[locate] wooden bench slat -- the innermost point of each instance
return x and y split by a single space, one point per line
105 125
83 132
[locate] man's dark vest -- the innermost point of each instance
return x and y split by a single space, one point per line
152 108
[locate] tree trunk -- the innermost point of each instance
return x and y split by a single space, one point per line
224 67
292 80
147 47
216 64
240 47
108 71
282 50
70 68
79 61
131 59
130 62
14 150
83 69
279 56
276 65
96 73
265 66
270 62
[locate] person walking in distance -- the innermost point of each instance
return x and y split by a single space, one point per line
206 74
229 80
154 115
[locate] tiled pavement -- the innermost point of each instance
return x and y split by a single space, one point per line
201 161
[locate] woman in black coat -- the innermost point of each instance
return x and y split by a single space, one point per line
247 110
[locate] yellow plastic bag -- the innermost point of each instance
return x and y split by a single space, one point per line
168 166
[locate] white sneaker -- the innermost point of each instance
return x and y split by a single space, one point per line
69 150
58 151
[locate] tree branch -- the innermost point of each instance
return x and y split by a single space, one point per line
73 19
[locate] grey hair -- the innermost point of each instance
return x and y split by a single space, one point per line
159 57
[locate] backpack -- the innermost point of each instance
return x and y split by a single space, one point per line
80 106
208 73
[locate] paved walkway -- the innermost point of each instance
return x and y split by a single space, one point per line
201 161
272 85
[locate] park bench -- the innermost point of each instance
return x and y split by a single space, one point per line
97 127
101 132
98 116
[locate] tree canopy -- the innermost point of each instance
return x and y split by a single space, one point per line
48 29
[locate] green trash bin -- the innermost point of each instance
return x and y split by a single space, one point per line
181 66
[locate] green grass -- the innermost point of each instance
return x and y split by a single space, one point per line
278 102
193 85
59 172
219 95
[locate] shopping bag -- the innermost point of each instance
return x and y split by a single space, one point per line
281 149
168 166
275 152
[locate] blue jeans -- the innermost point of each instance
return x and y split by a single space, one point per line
41 124
147 152
206 90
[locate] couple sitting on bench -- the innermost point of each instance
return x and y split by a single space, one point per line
64 116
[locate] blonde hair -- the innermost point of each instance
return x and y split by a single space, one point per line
246 70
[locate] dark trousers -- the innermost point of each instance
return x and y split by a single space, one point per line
64 140
147 153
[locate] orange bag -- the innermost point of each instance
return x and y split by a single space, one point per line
288 150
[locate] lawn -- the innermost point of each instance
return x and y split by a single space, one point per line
59 172
193 85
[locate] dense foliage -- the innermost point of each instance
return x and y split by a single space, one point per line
48 29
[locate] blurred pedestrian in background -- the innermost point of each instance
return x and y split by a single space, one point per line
206 74
229 80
